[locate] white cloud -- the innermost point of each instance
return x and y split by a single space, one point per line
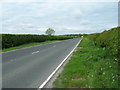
78 28
42 29
26 24
63 17
60 0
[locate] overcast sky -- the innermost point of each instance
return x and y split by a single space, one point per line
28 17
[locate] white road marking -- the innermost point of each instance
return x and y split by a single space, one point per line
51 75
35 52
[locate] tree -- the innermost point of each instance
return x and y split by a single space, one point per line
50 31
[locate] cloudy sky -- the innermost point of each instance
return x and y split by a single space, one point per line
66 17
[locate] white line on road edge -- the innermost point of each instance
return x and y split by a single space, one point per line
35 52
45 82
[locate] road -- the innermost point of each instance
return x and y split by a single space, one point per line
29 67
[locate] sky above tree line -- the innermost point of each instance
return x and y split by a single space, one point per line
65 17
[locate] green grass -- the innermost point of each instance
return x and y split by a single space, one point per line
26 45
89 67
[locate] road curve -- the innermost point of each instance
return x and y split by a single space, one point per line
29 67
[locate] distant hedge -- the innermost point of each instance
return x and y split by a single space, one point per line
11 40
108 39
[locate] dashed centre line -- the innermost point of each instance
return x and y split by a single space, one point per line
35 52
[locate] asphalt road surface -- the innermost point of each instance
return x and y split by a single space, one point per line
30 67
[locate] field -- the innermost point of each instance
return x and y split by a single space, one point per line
95 64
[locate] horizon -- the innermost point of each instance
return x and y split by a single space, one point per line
57 34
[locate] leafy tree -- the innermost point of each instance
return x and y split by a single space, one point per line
50 31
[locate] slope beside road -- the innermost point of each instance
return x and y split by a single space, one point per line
29 67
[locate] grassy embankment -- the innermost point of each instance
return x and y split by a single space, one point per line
26 45
93 65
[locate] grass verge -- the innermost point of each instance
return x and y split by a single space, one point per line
26 45
89 67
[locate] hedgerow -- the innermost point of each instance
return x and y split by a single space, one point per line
11 40
108 39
